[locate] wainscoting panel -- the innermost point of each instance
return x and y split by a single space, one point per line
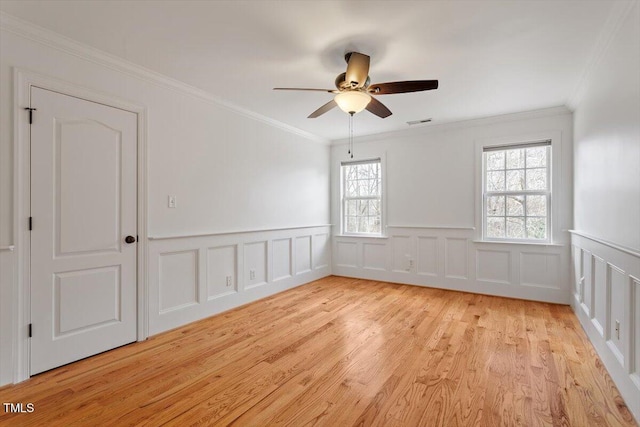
576 262
7 312
321 250
194 277
599 294
281 259
255 264
449 258
608 307
540 269
427 256
618 285
402 254
587 283
178 280
493 265
347 254
456 265
222 277
374 256
303 254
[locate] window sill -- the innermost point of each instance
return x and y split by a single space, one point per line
505 242
360 236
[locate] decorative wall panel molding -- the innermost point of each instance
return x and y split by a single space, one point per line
195 277
455 261
303 254
374 256
427 256
321 250
255 264
606 300
177 280
493 265
347 254
449 258
222 273
281 265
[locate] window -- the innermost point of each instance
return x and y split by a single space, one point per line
362 197
517 192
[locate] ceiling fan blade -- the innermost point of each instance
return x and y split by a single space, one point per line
378 108
320 111
307 89
357 69
402 87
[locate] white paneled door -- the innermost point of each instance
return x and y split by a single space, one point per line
83 238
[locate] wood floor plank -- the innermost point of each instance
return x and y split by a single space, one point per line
340 352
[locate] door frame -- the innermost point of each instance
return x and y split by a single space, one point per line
23 81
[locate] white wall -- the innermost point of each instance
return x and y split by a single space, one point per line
607 142
433 216
229 170
606 240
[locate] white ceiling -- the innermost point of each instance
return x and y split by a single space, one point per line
491 57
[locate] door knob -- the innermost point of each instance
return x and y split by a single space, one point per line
129 239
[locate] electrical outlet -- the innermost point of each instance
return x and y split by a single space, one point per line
171 201
252 274
410 264
617 329
229 281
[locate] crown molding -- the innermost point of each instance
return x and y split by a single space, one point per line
619 12
70 46
428 128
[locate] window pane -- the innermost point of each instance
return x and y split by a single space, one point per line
351 189
537 206
515 159
352 224
495 181
362 208
351 207
537 179
495 227
495 206
362 224
536 157
537 228
368 187
374 225
374 207
494 160
515 205
364 171
515 228
515 180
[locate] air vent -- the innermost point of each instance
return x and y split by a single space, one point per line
417 122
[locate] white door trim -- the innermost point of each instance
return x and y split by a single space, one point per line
23 81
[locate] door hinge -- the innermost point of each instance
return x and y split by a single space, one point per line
30 330
30 223
31 110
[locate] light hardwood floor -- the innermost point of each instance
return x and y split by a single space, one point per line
340 352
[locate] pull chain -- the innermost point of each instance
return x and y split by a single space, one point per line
351 134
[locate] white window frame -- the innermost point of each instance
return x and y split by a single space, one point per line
344 199
554 176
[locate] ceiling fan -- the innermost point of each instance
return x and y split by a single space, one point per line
354 91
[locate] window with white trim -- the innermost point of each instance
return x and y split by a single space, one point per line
361 197
517 192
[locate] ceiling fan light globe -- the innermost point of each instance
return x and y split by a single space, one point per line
352 102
